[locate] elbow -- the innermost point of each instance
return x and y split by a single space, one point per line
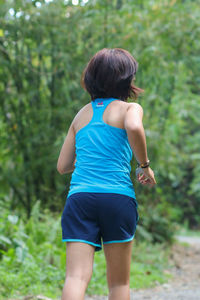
64 171
60 170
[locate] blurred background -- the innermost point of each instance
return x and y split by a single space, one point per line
44 47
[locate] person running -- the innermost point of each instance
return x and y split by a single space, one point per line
101 209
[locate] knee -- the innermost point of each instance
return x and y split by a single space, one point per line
117 281
81 276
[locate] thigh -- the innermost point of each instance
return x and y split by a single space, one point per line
118 260
79 260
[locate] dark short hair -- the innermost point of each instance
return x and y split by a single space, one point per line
110 73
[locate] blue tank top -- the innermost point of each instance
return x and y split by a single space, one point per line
103 156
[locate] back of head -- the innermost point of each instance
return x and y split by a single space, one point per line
110 73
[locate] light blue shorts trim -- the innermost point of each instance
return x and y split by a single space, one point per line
83 241
86 218
119 241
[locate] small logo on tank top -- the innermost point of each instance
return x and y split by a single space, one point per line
100 104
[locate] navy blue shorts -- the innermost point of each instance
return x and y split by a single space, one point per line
96 218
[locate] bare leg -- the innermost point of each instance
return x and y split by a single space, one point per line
79 266
118 259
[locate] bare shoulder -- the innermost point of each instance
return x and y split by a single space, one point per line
135 107
133 116
83 110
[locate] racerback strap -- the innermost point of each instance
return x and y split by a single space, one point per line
99 105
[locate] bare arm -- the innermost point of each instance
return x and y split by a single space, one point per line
135 131
136 136
66 160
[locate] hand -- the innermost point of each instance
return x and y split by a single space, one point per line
146 177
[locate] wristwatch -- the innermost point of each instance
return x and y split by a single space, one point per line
144 165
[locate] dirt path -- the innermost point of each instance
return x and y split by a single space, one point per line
185 284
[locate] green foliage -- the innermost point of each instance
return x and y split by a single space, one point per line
43 53
157 220
32 254
148 266
33 258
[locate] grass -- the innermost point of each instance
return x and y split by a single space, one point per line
148 267
32 259
185 231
